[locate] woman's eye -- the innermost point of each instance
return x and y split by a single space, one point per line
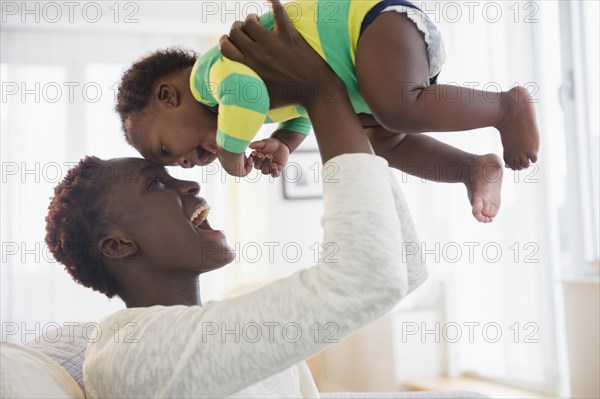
156 182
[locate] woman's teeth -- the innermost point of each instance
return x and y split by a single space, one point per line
200 215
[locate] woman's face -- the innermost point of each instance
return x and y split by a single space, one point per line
165 218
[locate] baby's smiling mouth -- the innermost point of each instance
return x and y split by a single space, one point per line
204 156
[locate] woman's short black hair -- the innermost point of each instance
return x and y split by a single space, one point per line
77 216
139 80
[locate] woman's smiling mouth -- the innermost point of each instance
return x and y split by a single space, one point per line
199 217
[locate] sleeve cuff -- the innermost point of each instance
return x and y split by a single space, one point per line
230 143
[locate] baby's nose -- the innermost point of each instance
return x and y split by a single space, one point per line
184 163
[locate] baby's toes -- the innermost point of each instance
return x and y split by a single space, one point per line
486 210
533 157
477 209
484 218
524 161
521 163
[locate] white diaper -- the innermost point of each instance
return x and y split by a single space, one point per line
436 53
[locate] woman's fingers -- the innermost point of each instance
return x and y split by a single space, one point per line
240 38
274 55
229 50
254 29
258 33
282 22
236 25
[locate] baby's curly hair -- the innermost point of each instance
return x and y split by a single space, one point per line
77 216
139 80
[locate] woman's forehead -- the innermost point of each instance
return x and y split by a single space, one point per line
129 170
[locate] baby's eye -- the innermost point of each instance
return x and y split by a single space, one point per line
163 150
155 182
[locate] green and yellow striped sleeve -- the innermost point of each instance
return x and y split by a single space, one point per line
300 125
292 117
243 103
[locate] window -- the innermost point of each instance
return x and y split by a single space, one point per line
505 290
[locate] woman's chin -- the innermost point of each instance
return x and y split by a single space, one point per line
229 255
216 257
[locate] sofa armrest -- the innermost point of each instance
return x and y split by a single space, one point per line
26 373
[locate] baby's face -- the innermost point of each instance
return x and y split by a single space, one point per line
176 137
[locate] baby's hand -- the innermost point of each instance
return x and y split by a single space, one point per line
270 156
235 164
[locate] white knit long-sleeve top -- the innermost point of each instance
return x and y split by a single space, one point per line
255 345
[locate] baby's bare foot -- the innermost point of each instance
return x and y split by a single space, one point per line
519 130
484 186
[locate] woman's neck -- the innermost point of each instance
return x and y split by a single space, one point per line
168 290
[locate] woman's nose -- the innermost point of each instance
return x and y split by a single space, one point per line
189 188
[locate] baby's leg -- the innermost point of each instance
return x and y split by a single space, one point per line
428 158
392 70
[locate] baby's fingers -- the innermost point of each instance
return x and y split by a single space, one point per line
258 160
266 166
267 146
258 145
276 170
248 166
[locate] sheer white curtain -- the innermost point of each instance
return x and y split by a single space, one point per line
59 80
503 280
58 85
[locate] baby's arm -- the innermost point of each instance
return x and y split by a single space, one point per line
234 164
243 105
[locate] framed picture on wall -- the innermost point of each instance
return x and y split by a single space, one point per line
302 176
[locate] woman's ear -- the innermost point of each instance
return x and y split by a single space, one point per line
167 95
117 248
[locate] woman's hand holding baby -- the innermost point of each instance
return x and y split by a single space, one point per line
274 56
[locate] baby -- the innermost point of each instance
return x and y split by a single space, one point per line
179 109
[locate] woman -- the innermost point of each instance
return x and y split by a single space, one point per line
153 241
